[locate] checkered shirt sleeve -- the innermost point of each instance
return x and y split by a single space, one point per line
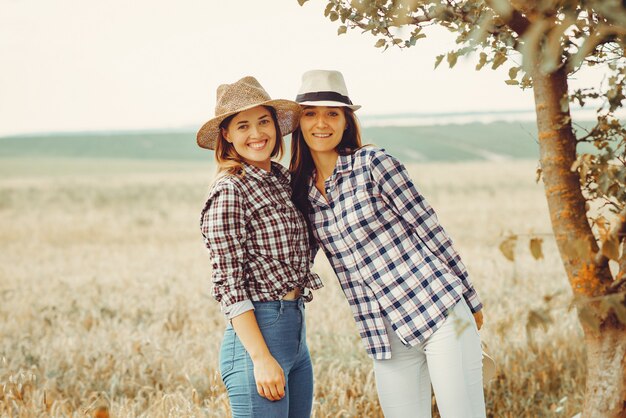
224 229
397 188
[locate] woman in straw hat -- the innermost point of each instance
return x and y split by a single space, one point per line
404 281
258 243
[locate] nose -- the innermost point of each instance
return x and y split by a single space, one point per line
320 121
255 132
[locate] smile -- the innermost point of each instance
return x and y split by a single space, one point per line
322 135
257 146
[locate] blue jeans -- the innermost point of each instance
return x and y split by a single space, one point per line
282 325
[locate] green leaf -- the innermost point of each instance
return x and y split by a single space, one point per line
498 60
513 72
327 10
610 248
535 248
333 16
482 61
301 2
380 43
438 60
452 58
527 81
512 82
507 247
341 30
414 38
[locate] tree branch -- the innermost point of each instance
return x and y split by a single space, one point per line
421 19
516 21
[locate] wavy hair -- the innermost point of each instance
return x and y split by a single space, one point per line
301 165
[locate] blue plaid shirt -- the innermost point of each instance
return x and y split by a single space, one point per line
388 250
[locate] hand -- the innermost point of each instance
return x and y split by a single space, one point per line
478 317
270 378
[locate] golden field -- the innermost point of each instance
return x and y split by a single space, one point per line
105 294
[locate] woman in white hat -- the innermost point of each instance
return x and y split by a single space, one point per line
404 281
258 243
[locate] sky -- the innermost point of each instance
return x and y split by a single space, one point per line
86 65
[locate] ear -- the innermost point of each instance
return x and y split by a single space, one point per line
226 136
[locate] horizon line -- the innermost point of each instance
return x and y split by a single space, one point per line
367 120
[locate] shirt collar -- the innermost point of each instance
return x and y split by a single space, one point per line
342 166
277 171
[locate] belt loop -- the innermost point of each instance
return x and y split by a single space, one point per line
282 306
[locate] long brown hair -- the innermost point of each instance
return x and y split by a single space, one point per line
228 159
301 165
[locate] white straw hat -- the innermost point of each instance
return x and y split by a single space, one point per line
324 88
243 95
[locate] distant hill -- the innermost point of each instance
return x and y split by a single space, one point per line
463 142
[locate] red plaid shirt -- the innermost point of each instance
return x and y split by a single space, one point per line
256 237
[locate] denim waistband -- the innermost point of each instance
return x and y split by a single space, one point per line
280 304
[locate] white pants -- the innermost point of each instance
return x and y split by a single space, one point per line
450 359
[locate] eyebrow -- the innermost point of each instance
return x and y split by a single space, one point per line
261 118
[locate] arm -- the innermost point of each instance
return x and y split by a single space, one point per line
268 374
398 190
224 229
223 226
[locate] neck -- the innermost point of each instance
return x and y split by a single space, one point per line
324 163
263 165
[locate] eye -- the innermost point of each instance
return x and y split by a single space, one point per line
264 122
308 113
333 113
242 127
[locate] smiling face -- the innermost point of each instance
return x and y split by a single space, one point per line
322 128
253 135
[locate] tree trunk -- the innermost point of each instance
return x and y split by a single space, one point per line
605 394
606 372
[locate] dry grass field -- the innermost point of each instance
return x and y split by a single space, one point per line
105 299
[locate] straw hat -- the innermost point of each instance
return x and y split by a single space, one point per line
243 95
324 88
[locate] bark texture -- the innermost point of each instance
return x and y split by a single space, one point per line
605 394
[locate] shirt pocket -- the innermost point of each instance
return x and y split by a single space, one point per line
360 213
266 316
